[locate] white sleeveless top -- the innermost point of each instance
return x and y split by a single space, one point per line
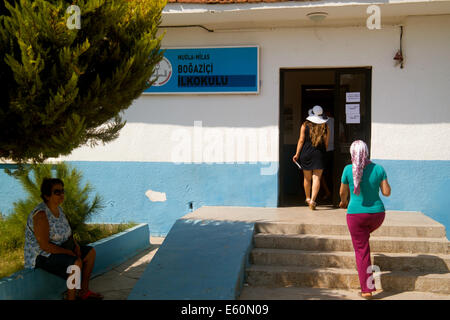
59 232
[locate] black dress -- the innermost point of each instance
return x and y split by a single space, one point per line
312 158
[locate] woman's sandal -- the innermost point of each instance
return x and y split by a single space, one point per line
307 201
90 295
312 205
366 295
65 296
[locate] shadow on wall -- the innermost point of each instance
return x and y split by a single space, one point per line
187 187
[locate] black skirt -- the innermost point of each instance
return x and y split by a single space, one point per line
58 263
312 158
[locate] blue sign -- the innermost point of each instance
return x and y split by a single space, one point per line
207 70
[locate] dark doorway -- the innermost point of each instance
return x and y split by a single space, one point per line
333 89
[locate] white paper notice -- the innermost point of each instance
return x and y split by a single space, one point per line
353 118
352 96
352 108
352 114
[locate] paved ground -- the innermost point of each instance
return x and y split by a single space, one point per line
293 293
118 283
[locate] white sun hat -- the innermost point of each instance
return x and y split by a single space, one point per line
316 115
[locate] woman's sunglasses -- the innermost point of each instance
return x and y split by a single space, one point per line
58 192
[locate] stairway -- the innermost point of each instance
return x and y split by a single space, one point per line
315 250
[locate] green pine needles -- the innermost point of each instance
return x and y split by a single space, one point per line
77 205
63 87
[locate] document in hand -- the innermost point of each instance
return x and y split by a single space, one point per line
298 165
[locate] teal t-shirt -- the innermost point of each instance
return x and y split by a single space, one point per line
368 200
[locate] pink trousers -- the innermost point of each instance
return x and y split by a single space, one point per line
360 226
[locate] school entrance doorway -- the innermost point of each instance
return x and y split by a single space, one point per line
345 95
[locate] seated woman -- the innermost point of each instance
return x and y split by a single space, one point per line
49 243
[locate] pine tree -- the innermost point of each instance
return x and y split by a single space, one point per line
77 206
62 88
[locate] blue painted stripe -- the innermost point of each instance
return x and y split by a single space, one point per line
416 186
123 186
419 186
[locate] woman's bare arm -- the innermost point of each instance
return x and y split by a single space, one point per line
41 231
301 140
385 188
344 191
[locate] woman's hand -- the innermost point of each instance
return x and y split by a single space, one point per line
343 205
295 158
70 253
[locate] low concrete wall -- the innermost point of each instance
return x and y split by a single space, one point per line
199 260
36 284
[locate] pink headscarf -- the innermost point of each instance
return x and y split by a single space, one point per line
360 159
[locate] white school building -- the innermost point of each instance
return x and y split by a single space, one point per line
221 127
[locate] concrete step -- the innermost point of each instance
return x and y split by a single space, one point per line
346 260
341 228
335 278
314 242
324 220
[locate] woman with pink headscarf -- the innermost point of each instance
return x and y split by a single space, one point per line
363 180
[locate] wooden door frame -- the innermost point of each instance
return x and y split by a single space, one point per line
367 119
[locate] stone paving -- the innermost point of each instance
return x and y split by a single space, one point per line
117 283
295 293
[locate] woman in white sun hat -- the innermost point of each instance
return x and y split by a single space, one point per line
311 148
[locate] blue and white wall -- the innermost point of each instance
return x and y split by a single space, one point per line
178 150
411 121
